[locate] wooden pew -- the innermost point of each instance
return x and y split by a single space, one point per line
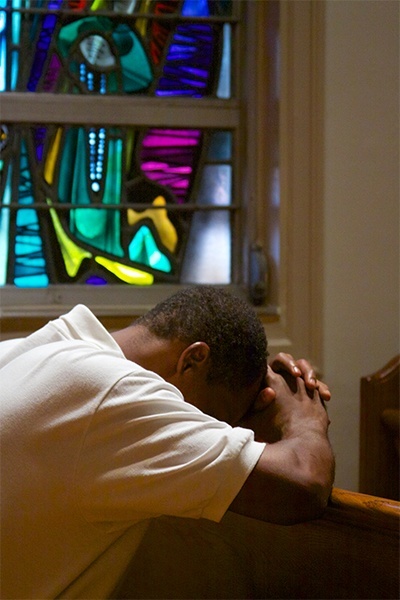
379 431
351 552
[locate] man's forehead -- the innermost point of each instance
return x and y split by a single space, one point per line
248 395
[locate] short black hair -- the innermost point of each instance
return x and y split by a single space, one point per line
228 324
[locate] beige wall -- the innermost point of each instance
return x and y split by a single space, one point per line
361 209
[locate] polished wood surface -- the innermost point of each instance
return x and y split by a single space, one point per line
379 431
351 552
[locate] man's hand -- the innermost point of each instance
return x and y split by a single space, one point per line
285 363
284 404
294 476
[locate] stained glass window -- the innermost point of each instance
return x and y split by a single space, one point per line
107 202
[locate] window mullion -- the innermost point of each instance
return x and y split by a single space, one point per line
148 112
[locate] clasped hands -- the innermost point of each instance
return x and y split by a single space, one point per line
290 402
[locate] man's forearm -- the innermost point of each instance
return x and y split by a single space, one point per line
291 482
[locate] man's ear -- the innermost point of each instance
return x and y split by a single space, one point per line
194 356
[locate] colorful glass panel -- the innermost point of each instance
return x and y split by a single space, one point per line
104 204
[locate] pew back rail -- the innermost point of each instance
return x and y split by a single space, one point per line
351 552
379 431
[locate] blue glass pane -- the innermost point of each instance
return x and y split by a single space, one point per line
220 147
208 255
195 8
224 84
4 231
216 186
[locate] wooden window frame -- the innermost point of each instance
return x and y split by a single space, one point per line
293 316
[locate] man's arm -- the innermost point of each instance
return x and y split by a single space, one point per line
293 478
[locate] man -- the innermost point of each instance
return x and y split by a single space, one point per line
101 433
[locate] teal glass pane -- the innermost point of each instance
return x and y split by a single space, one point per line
30 265
4 231
143 248
103 65
10 28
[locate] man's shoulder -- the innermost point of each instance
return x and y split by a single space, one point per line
80 323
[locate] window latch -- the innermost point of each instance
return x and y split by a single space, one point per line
258 275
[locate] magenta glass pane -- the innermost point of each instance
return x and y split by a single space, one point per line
168 157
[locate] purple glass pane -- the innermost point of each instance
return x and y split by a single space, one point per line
96 280
188 66
52 74
42 46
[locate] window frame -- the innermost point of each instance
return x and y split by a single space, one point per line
293 318
299 329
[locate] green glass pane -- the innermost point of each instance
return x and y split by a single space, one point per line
103 56
97 227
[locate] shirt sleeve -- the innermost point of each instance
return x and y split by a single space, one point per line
148 453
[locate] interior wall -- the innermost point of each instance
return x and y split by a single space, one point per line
361 209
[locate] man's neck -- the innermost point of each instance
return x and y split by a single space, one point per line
149 351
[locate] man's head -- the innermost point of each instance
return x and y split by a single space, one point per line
218 332
227 324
